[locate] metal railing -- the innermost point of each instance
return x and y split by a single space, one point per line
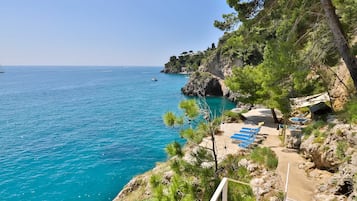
222 189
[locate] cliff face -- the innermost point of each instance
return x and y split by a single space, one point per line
202 84
220 65
209 79
341 85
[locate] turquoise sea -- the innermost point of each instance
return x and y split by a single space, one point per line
81 133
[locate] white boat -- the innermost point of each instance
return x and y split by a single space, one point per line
154 79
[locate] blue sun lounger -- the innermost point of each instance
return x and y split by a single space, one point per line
246 136
250 129
241 137
246 131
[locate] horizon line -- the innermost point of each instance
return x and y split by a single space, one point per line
68 65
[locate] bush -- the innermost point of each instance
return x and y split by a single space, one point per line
264 156
230 116
341 149
239 192
350 111
319 136
313 128
319 124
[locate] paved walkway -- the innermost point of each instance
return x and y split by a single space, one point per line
300 187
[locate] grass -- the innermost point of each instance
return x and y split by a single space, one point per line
319 136
237 192
313 128
264 156
341 149
232 116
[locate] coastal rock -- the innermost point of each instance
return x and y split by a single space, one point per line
294 140
340 86
266 185
324 155
202 84
220 65
340 186
132 186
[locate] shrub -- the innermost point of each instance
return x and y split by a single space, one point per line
307 130
264 156
349 113
239 192
230 116
318 124
319 136
339 132
341 149
331 125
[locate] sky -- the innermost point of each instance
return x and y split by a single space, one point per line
105 32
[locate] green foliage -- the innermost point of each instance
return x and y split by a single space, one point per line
350 111
232 170
281 196
314 129
264 156
239 192
341 149
190 108
229 22
191 135
169 119
187 61
232 116
155 180
174 149
191 181
319 136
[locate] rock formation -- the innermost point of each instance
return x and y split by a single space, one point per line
202 84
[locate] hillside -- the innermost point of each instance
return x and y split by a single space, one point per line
299 44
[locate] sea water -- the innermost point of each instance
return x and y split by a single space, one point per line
81 133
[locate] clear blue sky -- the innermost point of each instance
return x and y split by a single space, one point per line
105 32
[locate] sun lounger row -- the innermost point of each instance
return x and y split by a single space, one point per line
246 136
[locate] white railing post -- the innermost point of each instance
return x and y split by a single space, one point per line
225 191
222 189
286 183
219 190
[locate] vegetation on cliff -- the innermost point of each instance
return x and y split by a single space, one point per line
289 42
196 174
297 44
187 62
275 50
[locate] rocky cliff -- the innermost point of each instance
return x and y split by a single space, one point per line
202 84
209 79
333 148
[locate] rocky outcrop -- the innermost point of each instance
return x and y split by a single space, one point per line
202 84
333 148
139 188
341 85
327 147
220 65
265 184
340 186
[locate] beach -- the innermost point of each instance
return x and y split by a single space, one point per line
300 185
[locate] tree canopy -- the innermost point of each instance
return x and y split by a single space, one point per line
293 38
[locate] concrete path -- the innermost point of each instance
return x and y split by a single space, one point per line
300 186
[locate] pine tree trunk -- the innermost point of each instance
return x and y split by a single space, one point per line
214 153
340 39
276 120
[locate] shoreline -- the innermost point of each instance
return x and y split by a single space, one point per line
225 146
